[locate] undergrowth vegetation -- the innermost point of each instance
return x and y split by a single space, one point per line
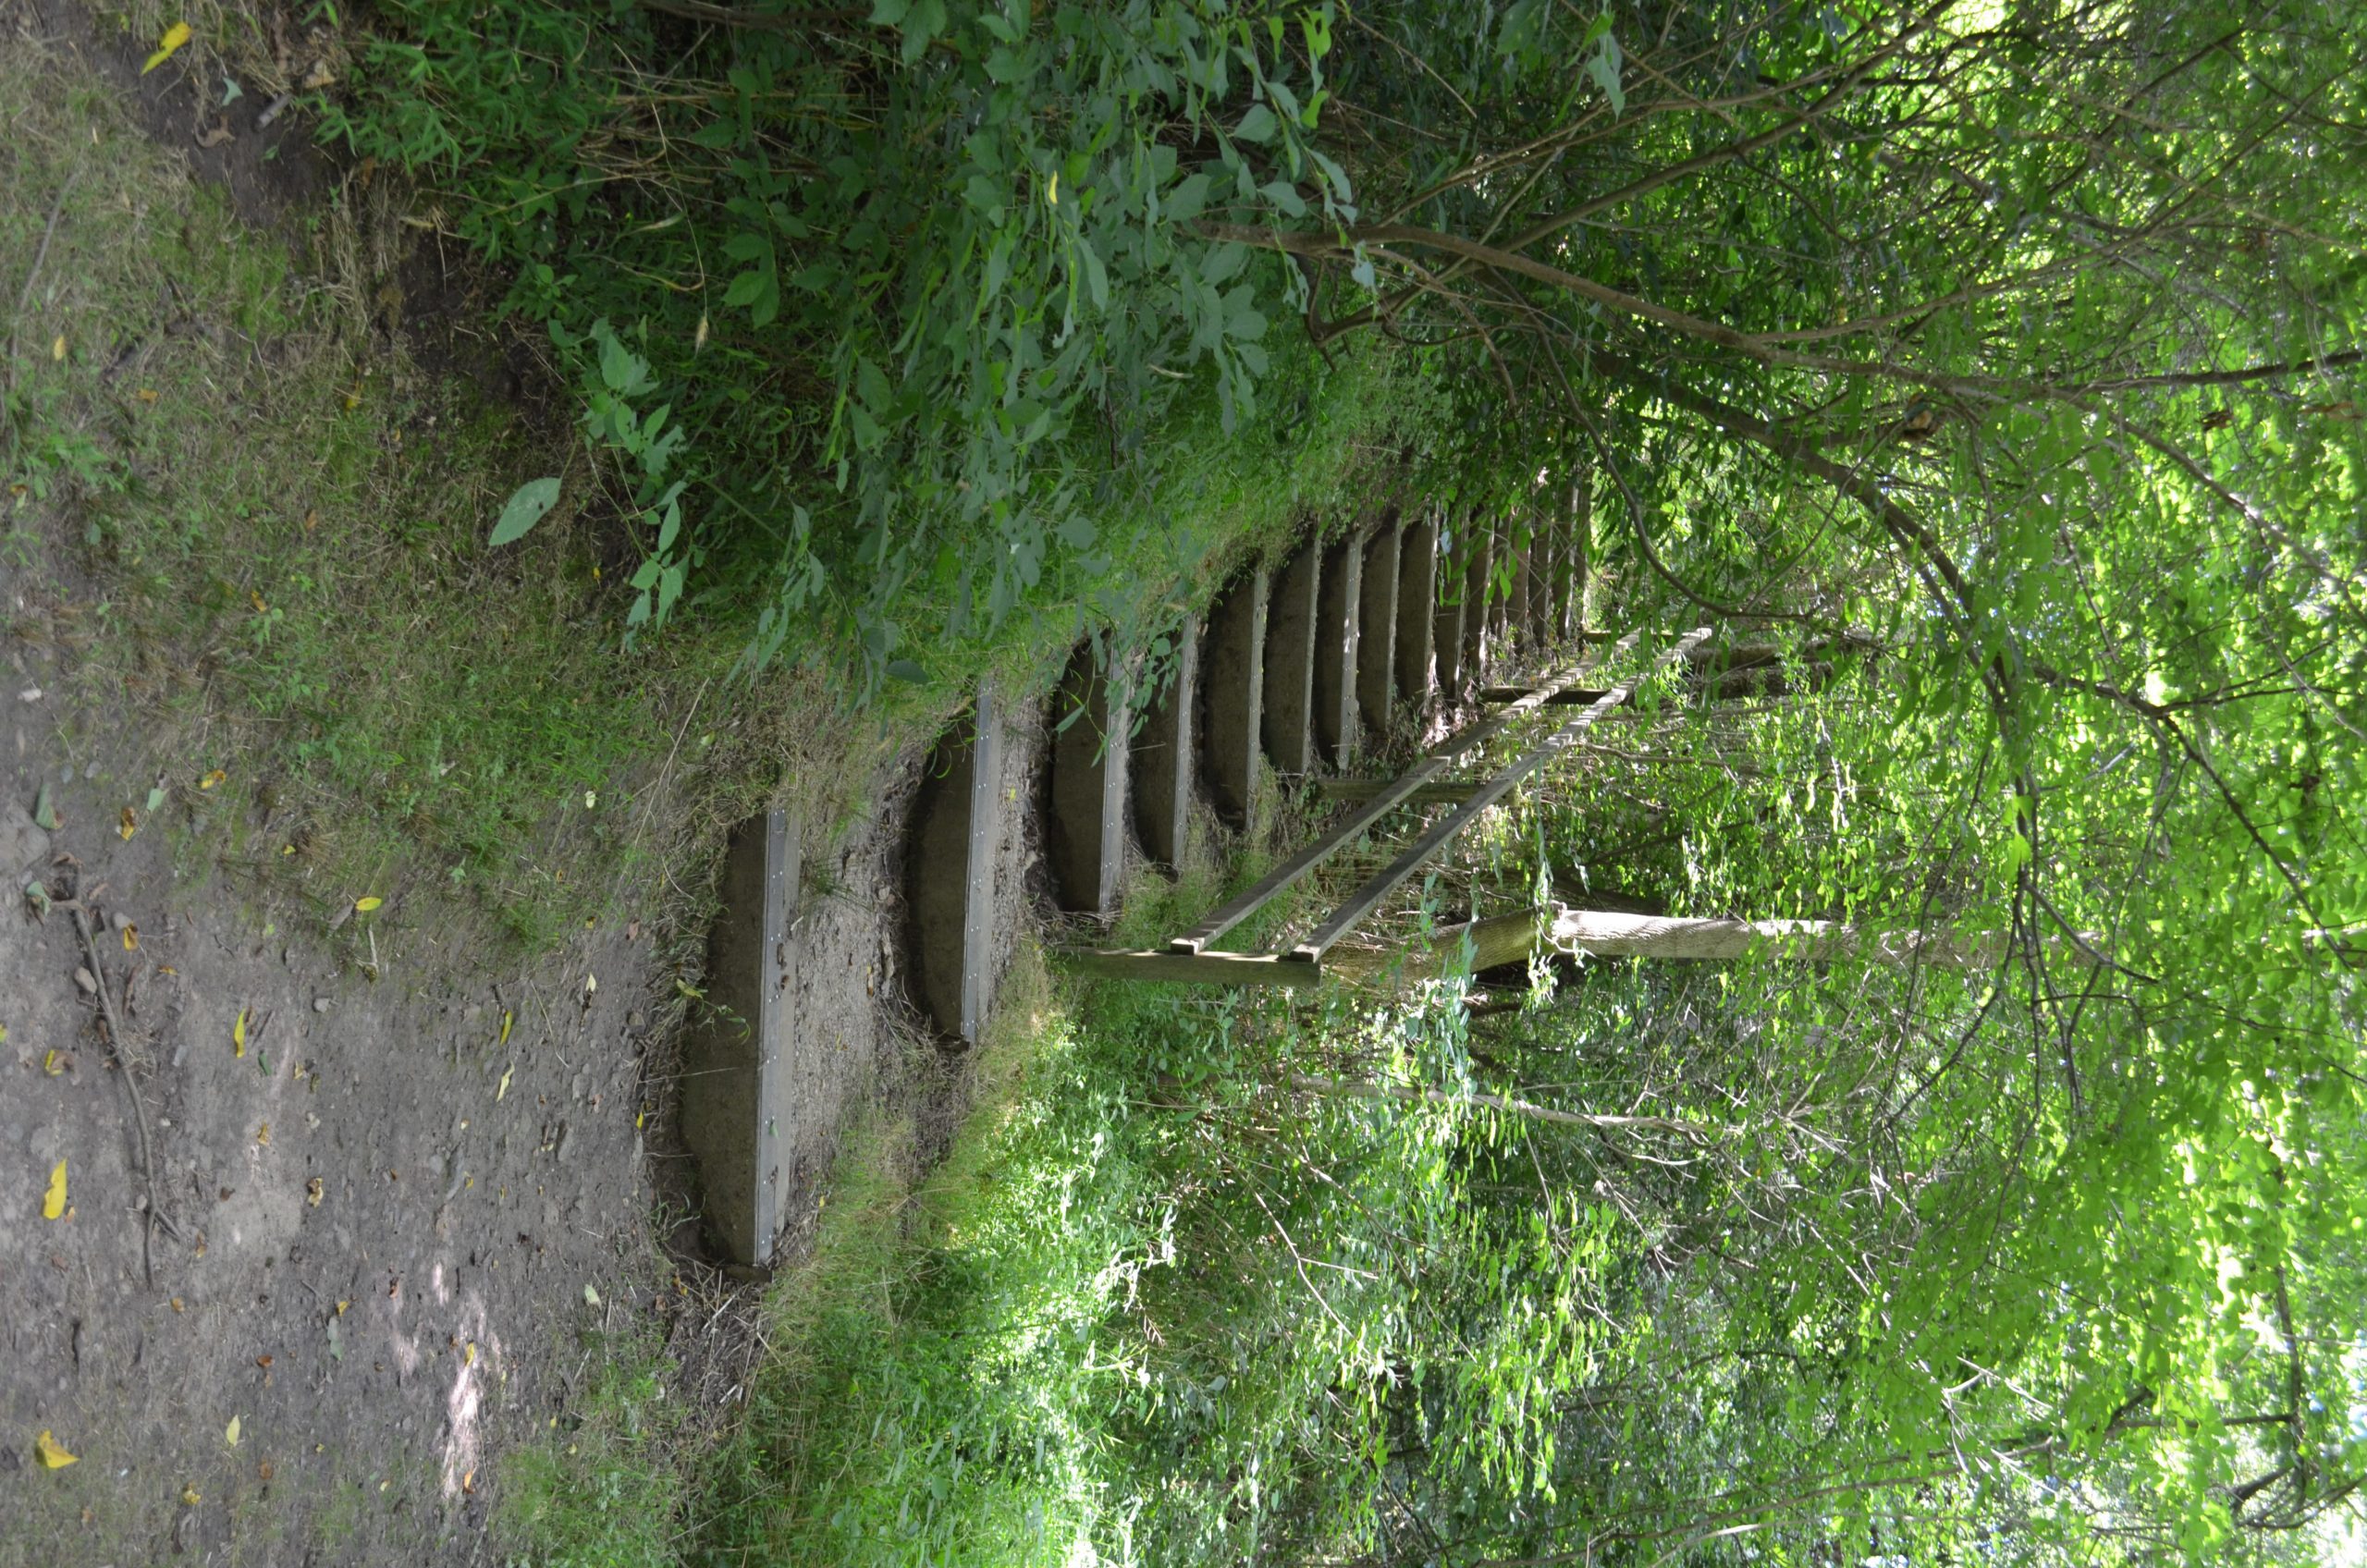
280 521
924 333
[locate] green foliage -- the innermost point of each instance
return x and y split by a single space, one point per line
600 1491
918 295
270 564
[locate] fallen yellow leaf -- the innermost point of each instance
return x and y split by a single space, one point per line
146 394
53 1202
262 1136
496 1099
188 1496
230 1432
129 824
167 46
238 1034
312 1192
469 1357
364 906
53 1453
51 1065
508 1017
57 348
130 938
210 779
257 600
342 1307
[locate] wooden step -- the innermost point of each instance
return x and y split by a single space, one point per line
1084 840
1233 697
1377 626
1163 758
1336 623
1417 604
949 874
736 1093
1287 721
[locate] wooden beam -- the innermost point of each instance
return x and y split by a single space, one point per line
1445 792
1189 969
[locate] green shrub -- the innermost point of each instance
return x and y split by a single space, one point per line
918 299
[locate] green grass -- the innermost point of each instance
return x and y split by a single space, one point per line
601 1491
930 1396
974 1366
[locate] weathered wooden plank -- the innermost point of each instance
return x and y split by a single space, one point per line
981 835
1288 719
949 873
1376 627
1085 840
1517 938
1162 756
1335 650
1580 696
1232 697
1522 609
1417 606
736 1083
1443 791
1478 602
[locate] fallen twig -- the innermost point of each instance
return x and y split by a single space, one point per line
153 1215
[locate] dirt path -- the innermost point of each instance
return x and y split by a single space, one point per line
384 1220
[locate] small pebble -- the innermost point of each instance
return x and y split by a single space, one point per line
82 978
119 920
321 1004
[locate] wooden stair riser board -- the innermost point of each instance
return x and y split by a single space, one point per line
1336 624
1536 560
1085 840
735 1061
1163 758
1376 627
949 873
1452 566
1417 605
1287 721
1231 698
